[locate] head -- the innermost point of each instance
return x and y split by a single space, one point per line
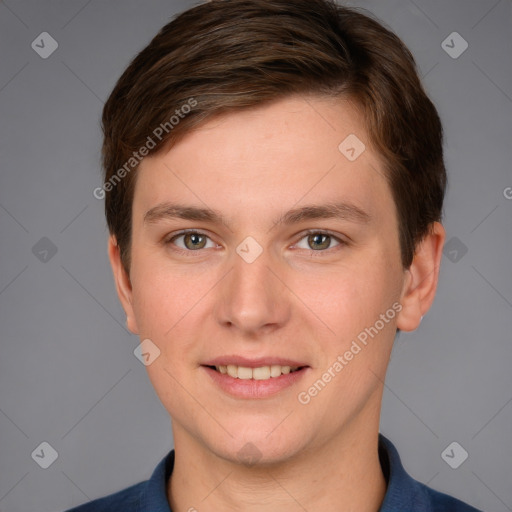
302 125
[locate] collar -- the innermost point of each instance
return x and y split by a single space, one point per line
403 492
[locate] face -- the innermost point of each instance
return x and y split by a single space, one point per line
258 245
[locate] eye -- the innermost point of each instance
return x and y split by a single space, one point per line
190 241
319 241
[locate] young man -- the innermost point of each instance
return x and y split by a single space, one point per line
274 182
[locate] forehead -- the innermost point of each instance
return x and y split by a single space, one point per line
299 149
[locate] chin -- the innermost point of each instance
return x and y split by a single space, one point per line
256 447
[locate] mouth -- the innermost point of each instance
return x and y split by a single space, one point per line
257 373
254 378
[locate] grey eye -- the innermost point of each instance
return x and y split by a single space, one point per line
318 241
192 241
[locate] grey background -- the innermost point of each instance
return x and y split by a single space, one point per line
68 375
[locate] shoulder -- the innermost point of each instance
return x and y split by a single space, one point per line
425 499
147 496
126 500
405 494
443 502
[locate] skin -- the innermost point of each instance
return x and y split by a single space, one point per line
294 301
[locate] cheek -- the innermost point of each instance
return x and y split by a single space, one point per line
171 306
358 343
164 308
345 300
161 297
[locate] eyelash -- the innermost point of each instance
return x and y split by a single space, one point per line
187 252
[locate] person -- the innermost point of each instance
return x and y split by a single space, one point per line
274 183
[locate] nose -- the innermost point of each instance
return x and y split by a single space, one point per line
254 299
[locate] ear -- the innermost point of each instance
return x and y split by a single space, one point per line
123 284
421 280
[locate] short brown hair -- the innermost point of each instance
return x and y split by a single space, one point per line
228 55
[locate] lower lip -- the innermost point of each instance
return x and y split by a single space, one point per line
252 388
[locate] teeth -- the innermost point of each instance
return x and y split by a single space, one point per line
275 370
243 373
260 373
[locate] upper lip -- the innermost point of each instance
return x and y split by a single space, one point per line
252 363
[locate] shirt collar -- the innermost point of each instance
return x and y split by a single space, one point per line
403 492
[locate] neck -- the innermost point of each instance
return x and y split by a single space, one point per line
343 474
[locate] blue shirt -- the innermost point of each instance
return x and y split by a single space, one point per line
404 494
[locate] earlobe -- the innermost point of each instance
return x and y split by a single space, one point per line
421 279
123 284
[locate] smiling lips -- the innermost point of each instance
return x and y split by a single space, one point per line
254 379
263 377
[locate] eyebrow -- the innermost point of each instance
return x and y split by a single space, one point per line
341 211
